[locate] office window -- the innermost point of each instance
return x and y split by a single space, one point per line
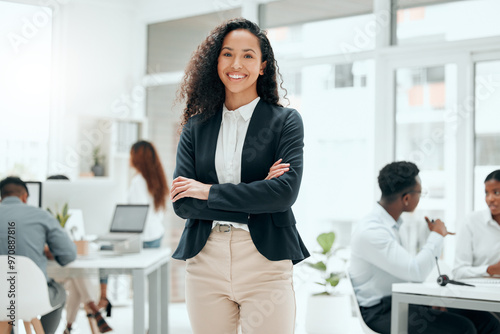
486 126
327 37
425 136
426 22
336 101
338 121
292 12
25 55
171 43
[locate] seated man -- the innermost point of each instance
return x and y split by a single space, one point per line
35 228
378 260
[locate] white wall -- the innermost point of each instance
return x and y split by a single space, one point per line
99 63
99 49
98 58
153 11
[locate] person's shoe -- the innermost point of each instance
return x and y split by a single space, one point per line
67 330
108 308
101 323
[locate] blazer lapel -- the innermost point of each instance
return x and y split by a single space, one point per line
253 145
208 145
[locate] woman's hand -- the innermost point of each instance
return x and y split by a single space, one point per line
277 169
494 269
184 187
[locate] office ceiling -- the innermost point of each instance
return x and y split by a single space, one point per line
288 12
420 3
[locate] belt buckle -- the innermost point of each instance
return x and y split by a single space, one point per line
223 228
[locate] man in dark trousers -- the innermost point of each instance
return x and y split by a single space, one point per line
378 260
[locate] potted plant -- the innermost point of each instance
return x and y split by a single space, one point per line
63 216
98 167
327 310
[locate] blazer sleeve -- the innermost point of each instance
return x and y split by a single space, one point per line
268 196
191 208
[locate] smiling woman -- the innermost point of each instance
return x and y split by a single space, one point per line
238 172
25 87
239 66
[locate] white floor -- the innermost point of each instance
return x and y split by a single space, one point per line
179 322
121 320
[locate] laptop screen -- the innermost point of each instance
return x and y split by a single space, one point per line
129 218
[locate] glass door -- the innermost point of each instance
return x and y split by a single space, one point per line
426 96
486 125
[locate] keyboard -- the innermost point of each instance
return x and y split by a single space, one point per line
482 281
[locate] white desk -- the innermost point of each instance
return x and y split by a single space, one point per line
484 298
151 264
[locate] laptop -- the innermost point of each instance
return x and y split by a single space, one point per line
128 221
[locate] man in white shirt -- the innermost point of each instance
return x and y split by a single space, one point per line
378 260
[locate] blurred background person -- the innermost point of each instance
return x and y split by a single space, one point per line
378 260
478 243
148 186
39 236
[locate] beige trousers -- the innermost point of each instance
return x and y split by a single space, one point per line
80 290
230 284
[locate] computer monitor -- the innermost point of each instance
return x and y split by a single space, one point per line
35 193
94 197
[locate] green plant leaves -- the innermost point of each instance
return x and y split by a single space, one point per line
318 265
328 279
65 210
324 293
63 216
325 240
333 280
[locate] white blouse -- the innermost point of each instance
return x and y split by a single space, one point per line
233 130
138 193
478 245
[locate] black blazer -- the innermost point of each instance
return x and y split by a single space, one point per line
265 205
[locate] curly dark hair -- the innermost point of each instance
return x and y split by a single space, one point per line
202 88
396 178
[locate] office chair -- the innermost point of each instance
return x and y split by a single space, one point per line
32 296
364 326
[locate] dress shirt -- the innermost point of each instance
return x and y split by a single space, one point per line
378 259
34 228
233 130
138 193
478 245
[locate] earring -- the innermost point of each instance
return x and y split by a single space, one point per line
406 203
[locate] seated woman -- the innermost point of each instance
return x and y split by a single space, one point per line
478 243
148 186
